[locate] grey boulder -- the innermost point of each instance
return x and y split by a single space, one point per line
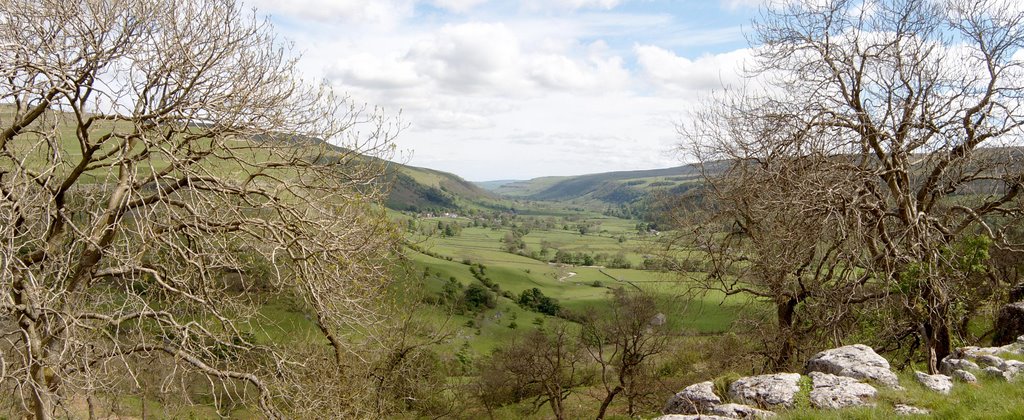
832 392
855 361
694 399
950 365
964 376
740 411
995 372
989 360
938 383
766 391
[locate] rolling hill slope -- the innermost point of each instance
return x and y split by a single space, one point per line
605 188
422 189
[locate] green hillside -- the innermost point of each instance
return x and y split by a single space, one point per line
421 189
605 188
494 185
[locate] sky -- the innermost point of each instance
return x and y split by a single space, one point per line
519 89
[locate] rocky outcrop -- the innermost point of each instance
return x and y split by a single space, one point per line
766 391
949 365
989 360
855 361
740 411
938 383
992 359
832 392
1013 367
838 379
694 399
1009 324
994 372
700 399
964 376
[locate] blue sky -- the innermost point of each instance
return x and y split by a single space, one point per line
524 88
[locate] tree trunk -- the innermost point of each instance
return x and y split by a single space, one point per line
785 312
607 401
556 407
937 343
41 398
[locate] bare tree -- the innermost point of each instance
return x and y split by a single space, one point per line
624 342
545 366
911 110
765 237
149 150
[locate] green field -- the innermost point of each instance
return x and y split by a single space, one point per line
577 288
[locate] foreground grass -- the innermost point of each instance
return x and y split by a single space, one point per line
988 399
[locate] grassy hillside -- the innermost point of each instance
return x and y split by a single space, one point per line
421 189
494 185
610 188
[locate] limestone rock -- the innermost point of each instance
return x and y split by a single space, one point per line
996 373
950 365
694 399
1009 324
832 392
1012 365
909 410
766 390
989 360
964 376
740 411
855 361
938 383
973 352
691 417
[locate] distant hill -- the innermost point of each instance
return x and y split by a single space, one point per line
494 185
621 187
422 189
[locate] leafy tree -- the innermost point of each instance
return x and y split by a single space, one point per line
535 300
452 291
477 297
513 241
587 259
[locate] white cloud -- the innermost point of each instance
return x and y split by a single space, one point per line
374 71
458 6
666 70
469 57
452 120
599 70
738 4
486 59
384 12
555 91
570 4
